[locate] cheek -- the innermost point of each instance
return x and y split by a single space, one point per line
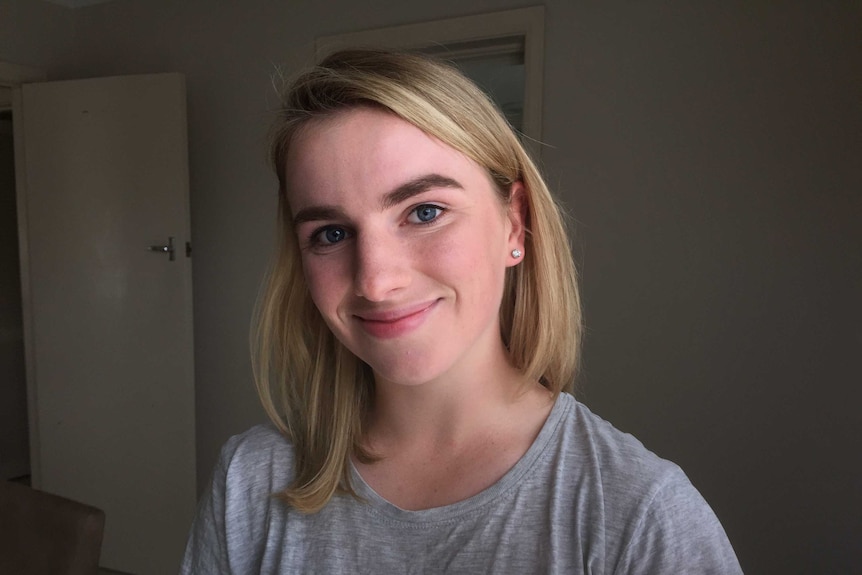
323 284
470 259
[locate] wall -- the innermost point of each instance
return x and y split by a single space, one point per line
37 34
709 154
715 159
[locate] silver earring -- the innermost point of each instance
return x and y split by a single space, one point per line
516 254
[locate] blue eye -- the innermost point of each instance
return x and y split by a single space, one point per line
330 235
426 213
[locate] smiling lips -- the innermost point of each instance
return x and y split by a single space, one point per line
396 322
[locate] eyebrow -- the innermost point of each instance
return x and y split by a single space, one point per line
415 187
400 194
316 213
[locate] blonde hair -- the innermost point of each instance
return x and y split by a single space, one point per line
315 390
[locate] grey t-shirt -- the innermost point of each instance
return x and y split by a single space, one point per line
585 498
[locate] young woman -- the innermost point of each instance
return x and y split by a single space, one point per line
416 336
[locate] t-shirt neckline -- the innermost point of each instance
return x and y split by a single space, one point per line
513 477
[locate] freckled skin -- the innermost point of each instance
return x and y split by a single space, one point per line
417 301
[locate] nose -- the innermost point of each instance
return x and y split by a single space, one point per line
382 266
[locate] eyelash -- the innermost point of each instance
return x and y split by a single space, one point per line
315 240
316 237
440 211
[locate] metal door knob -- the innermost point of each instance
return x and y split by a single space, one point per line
168 249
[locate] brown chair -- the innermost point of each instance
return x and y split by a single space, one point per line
44 534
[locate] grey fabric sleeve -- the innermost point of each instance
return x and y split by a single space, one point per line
677 532
206 550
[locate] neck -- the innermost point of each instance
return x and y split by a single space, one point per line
452 409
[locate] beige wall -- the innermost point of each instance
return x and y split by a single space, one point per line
710 155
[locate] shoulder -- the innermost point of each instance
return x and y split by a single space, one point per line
629 474
230 526
259 444
619 459
652 517
614 466
260 459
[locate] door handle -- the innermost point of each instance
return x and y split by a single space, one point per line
168 249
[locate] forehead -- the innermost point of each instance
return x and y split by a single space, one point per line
364 152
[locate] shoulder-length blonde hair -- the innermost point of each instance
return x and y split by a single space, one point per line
315 390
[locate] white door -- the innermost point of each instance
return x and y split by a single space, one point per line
108 322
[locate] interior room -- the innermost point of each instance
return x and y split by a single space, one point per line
708 155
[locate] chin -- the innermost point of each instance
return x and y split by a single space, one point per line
403 375
405 371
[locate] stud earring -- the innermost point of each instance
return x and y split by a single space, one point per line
516 254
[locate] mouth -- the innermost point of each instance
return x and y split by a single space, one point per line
395 322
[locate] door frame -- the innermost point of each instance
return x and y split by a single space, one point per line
12 76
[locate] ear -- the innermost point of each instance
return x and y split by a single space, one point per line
518 213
